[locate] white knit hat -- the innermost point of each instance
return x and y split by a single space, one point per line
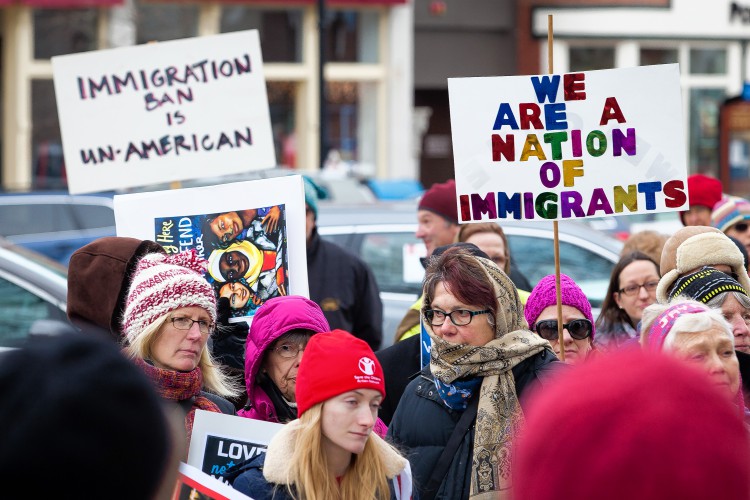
162 284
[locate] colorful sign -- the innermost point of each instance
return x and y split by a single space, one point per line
251 233
570 146
161 112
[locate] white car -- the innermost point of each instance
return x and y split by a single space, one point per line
382 234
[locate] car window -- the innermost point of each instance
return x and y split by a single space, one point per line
35 218
19 308
394 259
342 240
93 216
535 258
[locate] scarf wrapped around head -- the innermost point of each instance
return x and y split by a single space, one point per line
179 386
499 415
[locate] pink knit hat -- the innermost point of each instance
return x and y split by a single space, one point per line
543 295
162 284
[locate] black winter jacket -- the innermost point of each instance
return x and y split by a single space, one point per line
345 289
423 424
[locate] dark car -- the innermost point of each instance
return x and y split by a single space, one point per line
55 224
382 234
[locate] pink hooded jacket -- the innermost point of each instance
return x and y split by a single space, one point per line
273 319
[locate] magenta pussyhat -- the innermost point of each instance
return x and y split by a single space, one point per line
543 295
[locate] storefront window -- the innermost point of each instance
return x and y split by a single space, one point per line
591 58
48 167
281 101
58 32
342 118
351 133
658 56
708 61
158 22
352 36
704 128
280 31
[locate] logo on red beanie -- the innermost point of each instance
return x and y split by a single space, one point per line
367 365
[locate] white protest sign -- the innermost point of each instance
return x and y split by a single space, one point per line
155 113
193 483
221 442
251 233
556 147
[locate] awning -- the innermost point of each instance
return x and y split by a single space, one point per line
62 4
68 4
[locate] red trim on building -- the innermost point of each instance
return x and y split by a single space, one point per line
71 4
292 3
63 4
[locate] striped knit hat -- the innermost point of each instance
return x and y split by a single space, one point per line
729 211
704 285
162 284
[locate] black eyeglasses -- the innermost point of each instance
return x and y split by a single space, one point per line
288 350
650 286
741 227
579 329
459 317
182 323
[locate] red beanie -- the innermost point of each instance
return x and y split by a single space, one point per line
441 199
633 425
334 363
703 191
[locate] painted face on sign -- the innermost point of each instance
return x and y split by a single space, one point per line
237 293
227 226
233 265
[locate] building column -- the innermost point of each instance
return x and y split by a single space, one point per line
18 44
402 159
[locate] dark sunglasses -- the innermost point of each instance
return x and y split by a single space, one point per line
579 329
741 227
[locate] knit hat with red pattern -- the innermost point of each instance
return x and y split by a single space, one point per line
334 363
162 284
441 199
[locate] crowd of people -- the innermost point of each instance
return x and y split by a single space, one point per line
525 393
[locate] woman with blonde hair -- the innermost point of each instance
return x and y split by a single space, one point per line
330 451
169 314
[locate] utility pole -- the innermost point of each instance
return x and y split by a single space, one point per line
321 80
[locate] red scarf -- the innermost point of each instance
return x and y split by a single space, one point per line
179 386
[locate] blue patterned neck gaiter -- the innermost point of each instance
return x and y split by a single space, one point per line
457 394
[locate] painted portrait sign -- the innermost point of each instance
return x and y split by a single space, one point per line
251 233
570 146
154 113
246 251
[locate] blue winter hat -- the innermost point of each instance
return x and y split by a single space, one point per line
313 193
